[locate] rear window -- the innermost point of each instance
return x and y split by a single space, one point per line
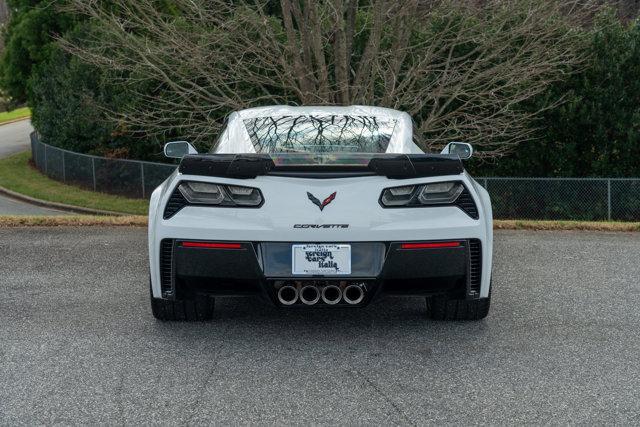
320 134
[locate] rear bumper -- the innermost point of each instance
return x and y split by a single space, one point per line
250 268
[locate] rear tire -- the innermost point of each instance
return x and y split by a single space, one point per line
443 308
196 309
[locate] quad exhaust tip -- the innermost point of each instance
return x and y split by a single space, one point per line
309 294
287 295
331 294
353 294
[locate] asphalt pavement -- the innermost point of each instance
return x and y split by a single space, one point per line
14 138
78 344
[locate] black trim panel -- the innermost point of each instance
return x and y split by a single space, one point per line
455 271
225 264
466 203
425 263
475 267
174 204
166 268
395 166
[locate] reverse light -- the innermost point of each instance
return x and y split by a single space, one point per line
441 192
204 193
398 196
438 193
244 196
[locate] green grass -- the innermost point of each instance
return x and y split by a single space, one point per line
19 113
141 221
72 221
566 225
18 175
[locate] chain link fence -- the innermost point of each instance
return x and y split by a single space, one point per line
586 199
129 178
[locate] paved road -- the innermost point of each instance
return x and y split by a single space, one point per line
78 344
14 138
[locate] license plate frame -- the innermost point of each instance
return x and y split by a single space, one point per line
321 259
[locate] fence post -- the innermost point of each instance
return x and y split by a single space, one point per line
64 170
486 183
609 199
142 177
93 170
45 161
34 156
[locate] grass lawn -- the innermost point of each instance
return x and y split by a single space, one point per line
16 174
507 224
19 113
141 221
72 221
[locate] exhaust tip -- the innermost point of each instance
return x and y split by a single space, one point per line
309 295
353 294
331 294
287 295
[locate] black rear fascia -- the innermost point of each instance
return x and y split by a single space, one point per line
394 166
455 271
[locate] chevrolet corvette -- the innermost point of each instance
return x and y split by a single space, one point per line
319 207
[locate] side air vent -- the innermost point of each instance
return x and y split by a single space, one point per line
466 203
175 203
166 270
475 269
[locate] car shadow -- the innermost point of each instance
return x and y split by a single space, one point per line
390 327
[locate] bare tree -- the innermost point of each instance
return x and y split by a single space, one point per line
463 70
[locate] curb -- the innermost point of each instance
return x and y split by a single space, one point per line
21 119
58 206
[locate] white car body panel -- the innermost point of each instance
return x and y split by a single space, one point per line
286 203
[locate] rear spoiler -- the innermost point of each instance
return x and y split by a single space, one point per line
246 166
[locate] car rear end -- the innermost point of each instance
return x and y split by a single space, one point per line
321 235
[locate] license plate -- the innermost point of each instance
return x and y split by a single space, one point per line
321 259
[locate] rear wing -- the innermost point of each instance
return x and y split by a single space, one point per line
395 166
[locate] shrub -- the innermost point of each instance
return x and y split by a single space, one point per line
596 130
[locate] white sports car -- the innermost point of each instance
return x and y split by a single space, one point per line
319 207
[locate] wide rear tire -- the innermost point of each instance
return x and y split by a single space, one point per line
199 308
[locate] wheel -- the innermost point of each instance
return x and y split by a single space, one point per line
443 308
198 308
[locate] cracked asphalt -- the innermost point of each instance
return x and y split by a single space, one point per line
78 344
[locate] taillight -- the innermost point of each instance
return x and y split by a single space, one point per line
205 193
211 245
433 194
430 245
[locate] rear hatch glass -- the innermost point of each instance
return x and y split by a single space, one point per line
320 134
326 159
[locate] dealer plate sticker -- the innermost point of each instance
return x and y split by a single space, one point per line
324 259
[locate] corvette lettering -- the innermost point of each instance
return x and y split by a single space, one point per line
321 226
